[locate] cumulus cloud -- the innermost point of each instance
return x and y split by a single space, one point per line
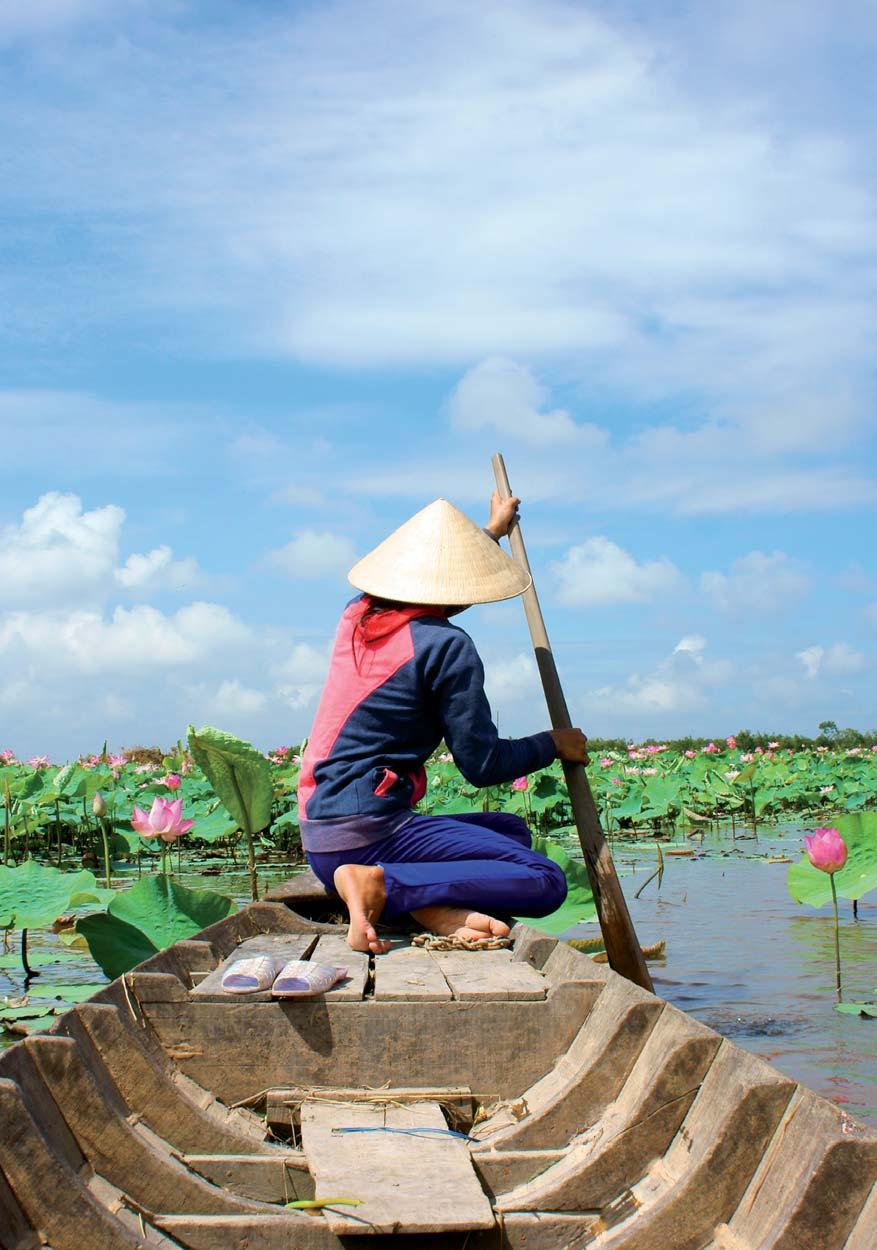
58 551
300 675
233 699
511 679
600 572
314 554
504 396
757 582
158 570
837 660
131 640
682 682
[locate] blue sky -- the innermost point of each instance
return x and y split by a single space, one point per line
275 276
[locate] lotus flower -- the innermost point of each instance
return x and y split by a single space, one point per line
520 783
606 762
164 820
39 761
826 850
99 805
171 780
732 743
690 755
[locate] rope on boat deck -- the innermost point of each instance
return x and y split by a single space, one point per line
433 942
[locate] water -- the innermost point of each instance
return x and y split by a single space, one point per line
740 955
747 960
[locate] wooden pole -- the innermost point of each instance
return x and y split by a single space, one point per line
622 948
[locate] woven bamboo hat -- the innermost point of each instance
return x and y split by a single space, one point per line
440 557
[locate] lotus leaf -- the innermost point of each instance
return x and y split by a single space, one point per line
240 775
152 915
858 875
579 905
33 894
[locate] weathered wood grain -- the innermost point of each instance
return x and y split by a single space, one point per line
409 973
407 1183
332 949
489 974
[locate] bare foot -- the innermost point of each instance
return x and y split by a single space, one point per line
362 889
458 922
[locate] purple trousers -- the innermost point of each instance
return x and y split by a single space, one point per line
481 861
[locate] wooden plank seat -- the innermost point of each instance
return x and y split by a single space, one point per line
283 1105
406 973
407 1181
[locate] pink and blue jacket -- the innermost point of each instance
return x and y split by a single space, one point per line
399 682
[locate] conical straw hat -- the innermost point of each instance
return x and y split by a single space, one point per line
440 557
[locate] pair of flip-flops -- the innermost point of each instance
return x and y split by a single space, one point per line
298 978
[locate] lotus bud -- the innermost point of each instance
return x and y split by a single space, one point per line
98 806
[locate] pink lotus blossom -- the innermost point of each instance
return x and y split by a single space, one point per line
732 743
772 746
146 768
821 750
874 747
8 756
606 761
118 761
731 775
39 761
521 783
826 850
690 755
164 820
634 769
650 772
171 780
854 751
281 751
825 789
709 749
759 750
616 781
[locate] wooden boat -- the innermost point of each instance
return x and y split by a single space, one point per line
524 1098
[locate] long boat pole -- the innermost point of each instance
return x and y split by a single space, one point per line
622 948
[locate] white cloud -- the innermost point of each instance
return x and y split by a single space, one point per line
600 572
156 571
758 583
511 679
59 552
132 640
233 700
694 645
501 395
300 675
533 228
313 554
837 660
683 682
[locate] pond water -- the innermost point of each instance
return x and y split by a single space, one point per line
740 955
747 960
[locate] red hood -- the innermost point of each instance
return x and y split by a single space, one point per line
388 620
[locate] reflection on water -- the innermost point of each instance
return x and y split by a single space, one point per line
759 968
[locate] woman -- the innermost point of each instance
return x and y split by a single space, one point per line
401 679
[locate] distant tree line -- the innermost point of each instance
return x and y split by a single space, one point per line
830 735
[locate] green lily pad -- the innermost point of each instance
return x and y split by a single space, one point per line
152 915
39 959
869 1010
33 894
858 876
71 993
579 904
